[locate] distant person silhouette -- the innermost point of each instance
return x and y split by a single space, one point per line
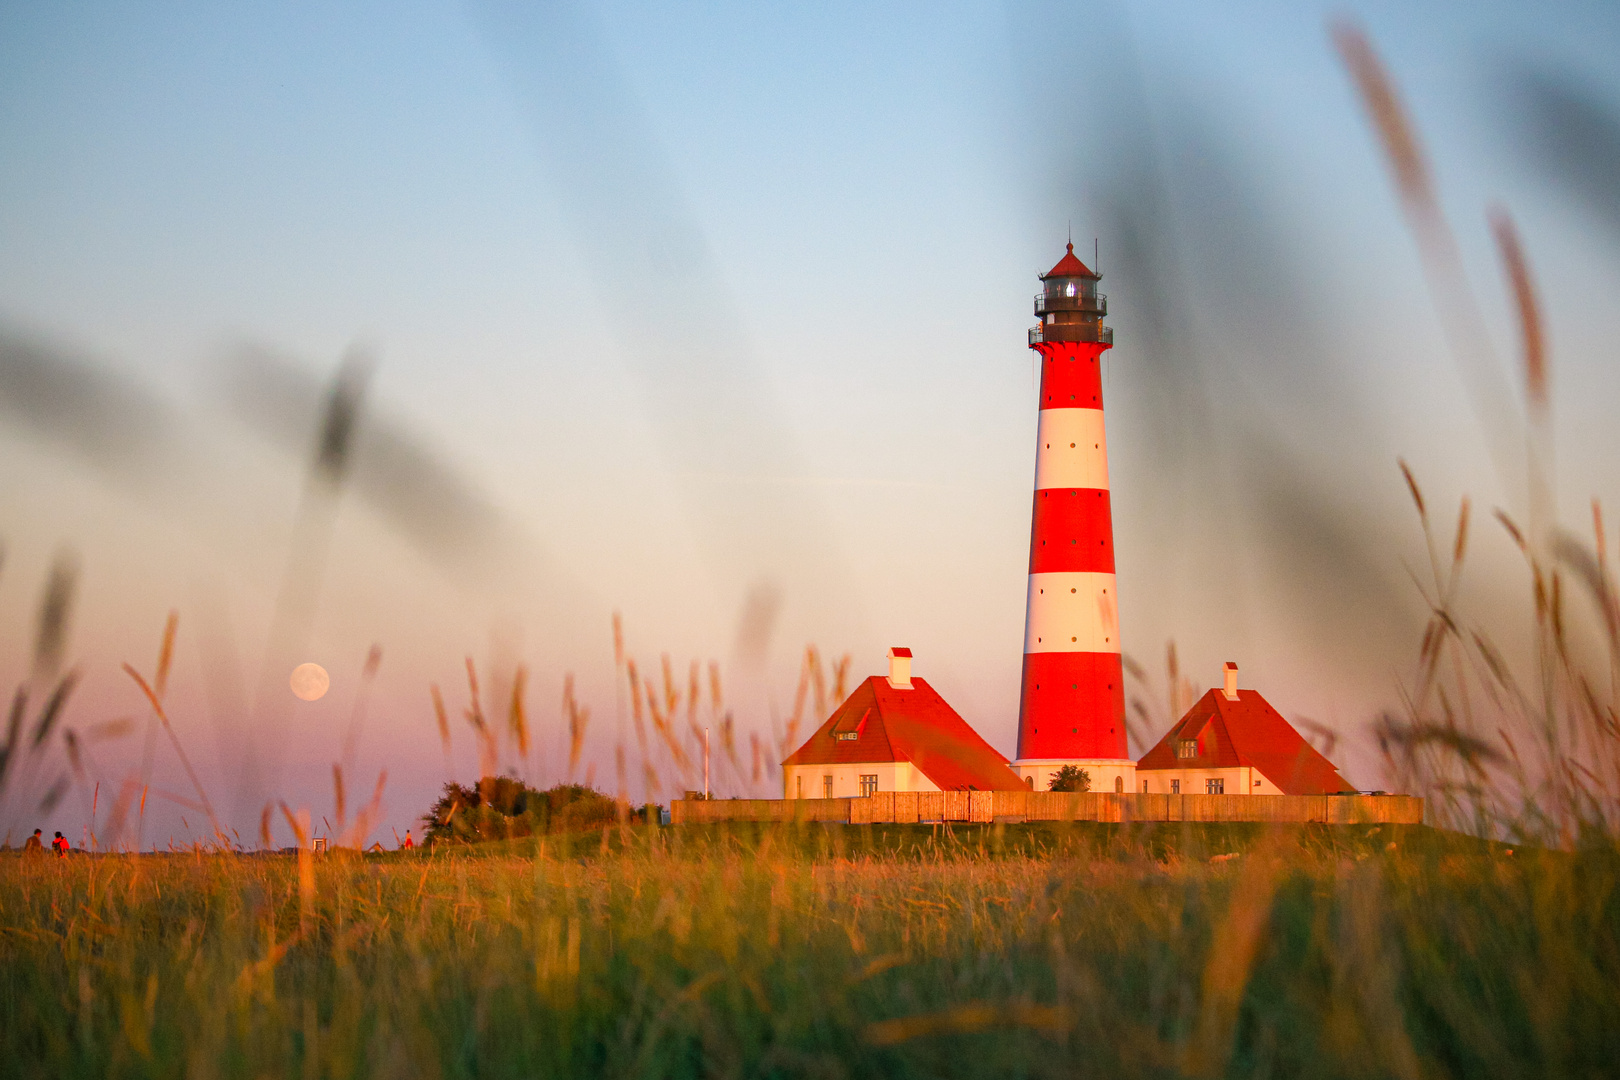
34 845
61 846
409 843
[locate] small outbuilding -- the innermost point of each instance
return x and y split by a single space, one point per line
1232 742
894 734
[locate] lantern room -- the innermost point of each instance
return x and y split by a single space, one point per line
1069 306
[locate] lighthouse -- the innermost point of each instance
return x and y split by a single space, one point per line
1072 708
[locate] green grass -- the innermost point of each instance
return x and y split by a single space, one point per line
893 951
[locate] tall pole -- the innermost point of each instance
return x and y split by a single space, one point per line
705 763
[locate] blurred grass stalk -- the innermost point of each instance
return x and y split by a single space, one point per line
25 749
1538 763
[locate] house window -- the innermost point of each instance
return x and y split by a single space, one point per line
846 736
1175 787
1186 748
800 793
826 787
1214 787
869 784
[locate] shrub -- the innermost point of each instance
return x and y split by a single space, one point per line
1070 778
503 807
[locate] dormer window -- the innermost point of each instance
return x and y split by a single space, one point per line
843 733
1186 748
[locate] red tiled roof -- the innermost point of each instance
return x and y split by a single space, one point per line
1068 266
913 725
1250 732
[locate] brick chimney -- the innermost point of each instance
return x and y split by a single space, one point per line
1230 671
900 668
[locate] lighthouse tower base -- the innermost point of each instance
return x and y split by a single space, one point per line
1107 774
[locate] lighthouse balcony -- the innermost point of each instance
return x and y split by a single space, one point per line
1097 303
1094 332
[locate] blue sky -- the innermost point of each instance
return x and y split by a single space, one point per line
711 302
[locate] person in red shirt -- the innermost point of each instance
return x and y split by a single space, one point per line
60 845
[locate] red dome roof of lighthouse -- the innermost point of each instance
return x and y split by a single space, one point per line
1068 266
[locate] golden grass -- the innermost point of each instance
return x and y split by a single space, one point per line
886 951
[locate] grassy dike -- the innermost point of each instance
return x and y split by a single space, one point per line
894 951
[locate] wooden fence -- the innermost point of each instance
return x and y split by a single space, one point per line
986 806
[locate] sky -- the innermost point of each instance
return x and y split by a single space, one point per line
714 316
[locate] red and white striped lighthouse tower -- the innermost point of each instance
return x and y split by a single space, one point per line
1073 706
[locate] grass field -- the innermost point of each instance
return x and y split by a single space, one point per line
824 951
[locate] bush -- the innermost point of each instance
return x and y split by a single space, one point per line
1070 778
503 807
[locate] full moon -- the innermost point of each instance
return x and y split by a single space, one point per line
309 681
